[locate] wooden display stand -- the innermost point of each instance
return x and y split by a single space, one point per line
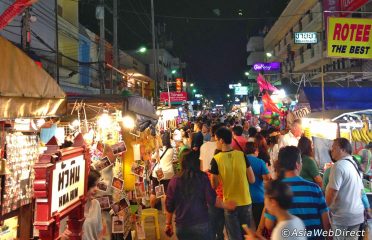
47 221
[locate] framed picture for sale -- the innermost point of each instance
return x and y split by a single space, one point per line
159 191
117 224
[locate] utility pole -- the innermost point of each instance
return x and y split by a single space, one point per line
154 53
57 41
100 15
115 40
26 29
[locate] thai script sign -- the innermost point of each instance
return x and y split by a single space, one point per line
68 183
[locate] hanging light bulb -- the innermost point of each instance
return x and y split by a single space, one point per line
128 122
104 121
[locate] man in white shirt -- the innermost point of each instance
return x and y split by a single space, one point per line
292 137
343 193
207 150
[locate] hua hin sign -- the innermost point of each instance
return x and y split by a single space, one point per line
266 67
68 183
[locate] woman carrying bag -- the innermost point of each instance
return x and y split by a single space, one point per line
162 170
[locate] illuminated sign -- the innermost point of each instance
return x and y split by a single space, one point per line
232 86
68 183
271 66
179 83
349 38
243 90
174 96
306 37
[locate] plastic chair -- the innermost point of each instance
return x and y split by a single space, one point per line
151 212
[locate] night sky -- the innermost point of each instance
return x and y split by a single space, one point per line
209 35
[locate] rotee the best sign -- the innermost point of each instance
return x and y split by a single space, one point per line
349 38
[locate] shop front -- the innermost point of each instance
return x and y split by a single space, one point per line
28 96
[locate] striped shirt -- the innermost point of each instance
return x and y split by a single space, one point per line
308 204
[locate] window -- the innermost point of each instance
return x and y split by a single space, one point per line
60 10
310 14
302 54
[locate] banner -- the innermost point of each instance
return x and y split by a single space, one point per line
350 5
349 38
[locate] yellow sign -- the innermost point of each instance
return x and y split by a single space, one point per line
349 37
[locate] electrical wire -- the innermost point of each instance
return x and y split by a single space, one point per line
146 27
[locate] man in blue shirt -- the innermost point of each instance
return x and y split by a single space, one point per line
261 174
308 200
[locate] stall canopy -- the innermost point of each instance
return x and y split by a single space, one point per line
337 98
26 90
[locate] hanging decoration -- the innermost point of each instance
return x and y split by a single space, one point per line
269 105
265 85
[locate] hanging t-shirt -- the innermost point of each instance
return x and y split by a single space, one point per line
92 226
292 225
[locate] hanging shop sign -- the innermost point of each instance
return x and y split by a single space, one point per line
173 96
348 6
68 183
305 37
271 66
243 90
349 38
60 187
300 113
179 83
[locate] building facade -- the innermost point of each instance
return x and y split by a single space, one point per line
303 62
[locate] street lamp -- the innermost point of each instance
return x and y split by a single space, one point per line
142 50
269 54
191 84
246 74
228 95
174 71
194 90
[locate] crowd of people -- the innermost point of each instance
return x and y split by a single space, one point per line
234 179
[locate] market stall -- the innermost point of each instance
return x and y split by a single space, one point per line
343 118
27 96
120 134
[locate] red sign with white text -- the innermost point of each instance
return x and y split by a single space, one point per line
350 5
174 96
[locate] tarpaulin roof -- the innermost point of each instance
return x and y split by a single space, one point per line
337 98
26 90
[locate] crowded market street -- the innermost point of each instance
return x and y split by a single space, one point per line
185 120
